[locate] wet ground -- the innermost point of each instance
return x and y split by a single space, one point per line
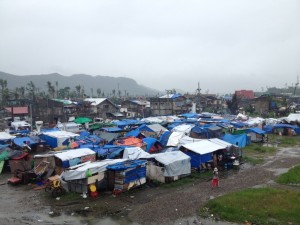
150 204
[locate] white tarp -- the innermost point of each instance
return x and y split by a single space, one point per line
74 153
135 153
218 141
157 128
186 128
255 121
203 147
174 138
175 163
187 139
241 116
152 120
6 136
292 117
95 167
60 136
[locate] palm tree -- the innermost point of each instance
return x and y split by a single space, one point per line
51 89
31 90
98 92
78 90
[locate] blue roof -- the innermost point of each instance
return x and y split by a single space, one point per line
111 129
133 133
20 141
126 165
255 130
190 115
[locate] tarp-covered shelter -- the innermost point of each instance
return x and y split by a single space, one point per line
56 138
240 140
201 151
130 141
153 145
125 175
174 138
109 151
78 178
256 134
69 158
153 130
108 137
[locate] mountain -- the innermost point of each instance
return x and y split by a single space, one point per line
88 82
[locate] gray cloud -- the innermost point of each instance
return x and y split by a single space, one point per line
224 45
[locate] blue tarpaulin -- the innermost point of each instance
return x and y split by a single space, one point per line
20 141
133 133
255 130
240 140
109 151
150 142
112 129
164 138
190 115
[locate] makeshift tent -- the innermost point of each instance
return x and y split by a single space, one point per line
174 138
78 178
256 134
126 175
156 129
135 133
108 137
20 141
56 138
130 141
109 151
190 115
200 151
164 138
186 139
153 145
74 157
186 128
240 140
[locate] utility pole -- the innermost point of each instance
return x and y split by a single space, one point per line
296 85
199 97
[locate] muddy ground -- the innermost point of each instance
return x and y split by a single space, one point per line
149 204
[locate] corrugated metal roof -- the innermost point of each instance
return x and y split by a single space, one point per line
18 110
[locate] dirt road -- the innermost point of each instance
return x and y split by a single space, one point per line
148 205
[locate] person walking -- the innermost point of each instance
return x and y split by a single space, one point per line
215 180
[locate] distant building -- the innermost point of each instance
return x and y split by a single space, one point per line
245 94
136 108
101 107
171 104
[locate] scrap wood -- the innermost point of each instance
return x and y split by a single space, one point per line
39 188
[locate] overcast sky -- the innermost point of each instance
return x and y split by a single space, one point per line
163 44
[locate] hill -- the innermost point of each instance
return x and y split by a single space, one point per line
105 83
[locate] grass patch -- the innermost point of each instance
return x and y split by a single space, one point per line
285 141
258 148
261 206
291 177
252 160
